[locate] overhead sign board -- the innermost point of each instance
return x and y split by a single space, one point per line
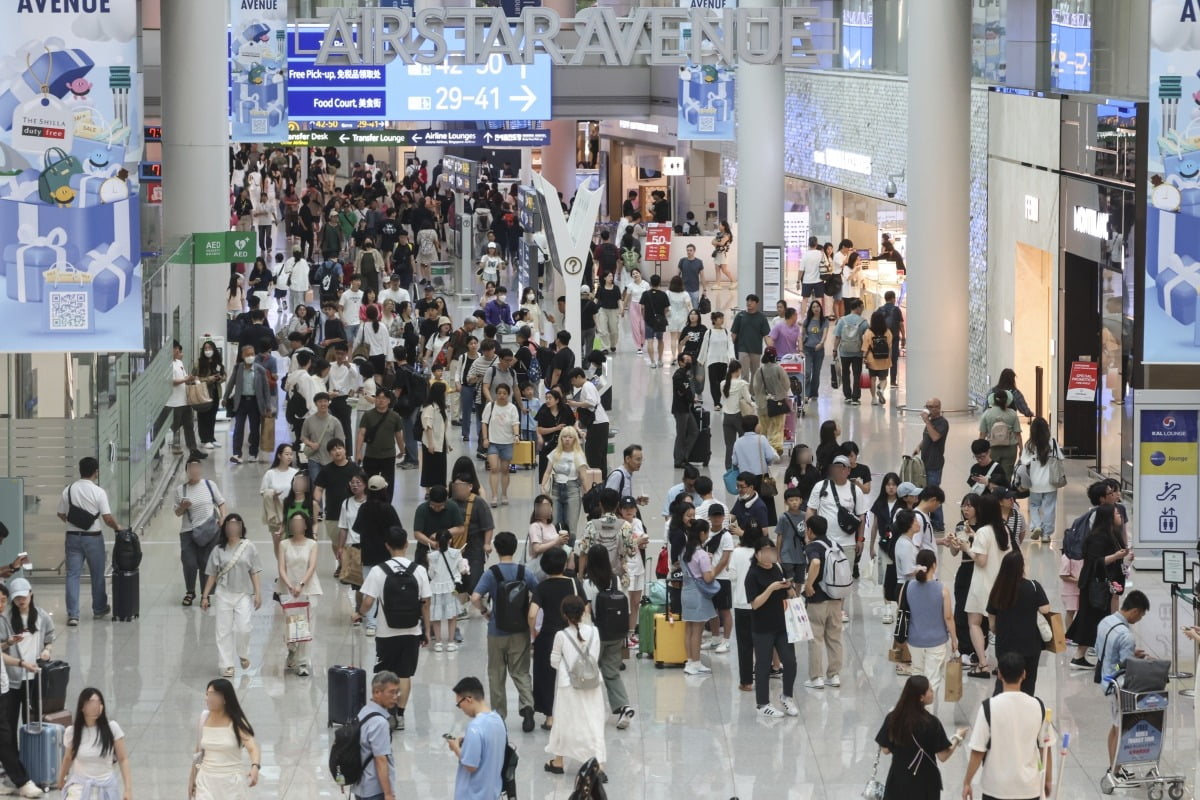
463 173
450 90
427 138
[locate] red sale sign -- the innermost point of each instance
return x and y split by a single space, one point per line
1083 381
658 242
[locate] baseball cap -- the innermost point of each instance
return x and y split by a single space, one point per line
1004 493
907 489
377 483
491 245
585 290
627 502
845 462
19 587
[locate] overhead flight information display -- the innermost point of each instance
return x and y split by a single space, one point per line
400 92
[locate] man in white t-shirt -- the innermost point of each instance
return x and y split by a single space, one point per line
394 292
1011 731
928 502
811 283
86 543
397 649
837 492
350 303
181 412
585 397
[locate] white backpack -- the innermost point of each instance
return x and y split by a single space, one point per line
836 576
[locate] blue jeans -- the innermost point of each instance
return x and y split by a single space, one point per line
933 477
466 397
411 443
90 549
814 360
1042 508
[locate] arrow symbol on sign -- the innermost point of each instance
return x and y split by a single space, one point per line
528 97
487 137
343 138
416 137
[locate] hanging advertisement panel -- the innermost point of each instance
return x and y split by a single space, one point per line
258 70
1169 304
70 143
705 103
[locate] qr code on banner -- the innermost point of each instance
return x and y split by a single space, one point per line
69 311
707 123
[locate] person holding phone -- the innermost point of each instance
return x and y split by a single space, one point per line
480 751
767 589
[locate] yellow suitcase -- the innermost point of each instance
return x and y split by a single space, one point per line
669 649
523 455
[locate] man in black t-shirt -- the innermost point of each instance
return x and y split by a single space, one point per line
766 591
824 613
682 399
986 473
654 311
562 364
332 487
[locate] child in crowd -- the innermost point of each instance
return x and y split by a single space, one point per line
446 568
530 405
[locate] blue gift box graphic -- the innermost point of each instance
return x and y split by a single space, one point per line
112 276
53 69
27 261
1177 286
1174 233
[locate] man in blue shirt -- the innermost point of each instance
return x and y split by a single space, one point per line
1114 644
480 751
691 269
376 739
508 652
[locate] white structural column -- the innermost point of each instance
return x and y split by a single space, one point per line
760 135
558 160
939 181
195 142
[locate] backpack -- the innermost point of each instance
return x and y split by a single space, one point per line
608 536
345 756
589 783
630 258
852 338
590 501
510 608
1076 534
836 580
880 348
481 223
545 358
296 407
585 672
912 470
402 596
1001 434
534 373
127 551
611 613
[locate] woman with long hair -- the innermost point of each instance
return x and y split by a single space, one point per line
298 582
501 429
374 335
679 303
578 731
218 772
235 295
691 342
959 542
548 597
91 745
632 299
277 485
931 620
1014 606
737 401
715 355
697 566
1043 495
551 419
543 534
1007 383
1001 426
721 244
815 331
567 479
887 503
600 578
828 446
1103 551
233 573
435 437
987 550
259 279
33 630
916 741
878 364
210 370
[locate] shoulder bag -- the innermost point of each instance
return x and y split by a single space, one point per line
766 484
229 565
198 396
1058 470
206 531
454 576
1098 591
369 436
80 520
706 588
874 789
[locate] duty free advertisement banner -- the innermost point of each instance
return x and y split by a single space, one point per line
258 70
70 143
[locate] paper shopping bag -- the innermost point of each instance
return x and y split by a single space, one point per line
1058 634
954 687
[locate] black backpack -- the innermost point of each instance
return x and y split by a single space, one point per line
345 757
590 501
511 604
612 613
402 597
296 407
880 348
1076 534
127 551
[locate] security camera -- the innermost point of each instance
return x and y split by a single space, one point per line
889 188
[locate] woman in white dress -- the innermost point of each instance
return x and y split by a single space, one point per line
677 313
578 731
217 768
987 551
92 745
233 574
276 483
298 583
633 307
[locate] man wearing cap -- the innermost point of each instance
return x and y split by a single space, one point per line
490 265
395 292
380 441
84 506
317 432
837 493
427 299
588 309
497 311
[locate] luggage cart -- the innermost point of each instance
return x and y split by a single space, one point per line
793 365
1140 734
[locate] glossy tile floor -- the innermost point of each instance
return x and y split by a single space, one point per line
695 732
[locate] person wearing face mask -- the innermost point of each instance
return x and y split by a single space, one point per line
210 371
248 398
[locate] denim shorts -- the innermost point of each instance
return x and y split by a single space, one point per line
812 290
505 451
652 333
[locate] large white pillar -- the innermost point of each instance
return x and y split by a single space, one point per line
195 111
759 210
939 180
558 160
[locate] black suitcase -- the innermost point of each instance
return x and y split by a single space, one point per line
55 677
126 596
701 451
347 689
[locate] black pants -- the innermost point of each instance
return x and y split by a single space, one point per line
385 467
306 244
686 432
962 586
851 371
9 757
264 242
895 355
764 643
716 374
596 446
340 409
745 645
247 412
206 424
1031 670
17 705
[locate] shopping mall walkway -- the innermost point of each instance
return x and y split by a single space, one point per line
695 737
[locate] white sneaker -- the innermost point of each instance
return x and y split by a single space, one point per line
702 668
452 648
210 446
370 630
888 619
711 644
770 711
814 683
845 617
835 682
437 647
30 789
723 647
692 668
789 706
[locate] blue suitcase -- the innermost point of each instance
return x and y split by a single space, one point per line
347 689
41 746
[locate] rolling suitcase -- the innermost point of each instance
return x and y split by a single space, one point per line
41 746
646 616
669 649
126 596
523 455
702 450
55 675
347 688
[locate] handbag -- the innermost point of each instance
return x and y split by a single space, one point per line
795 618
903 618
707 588
730 477
198 396
80 520
1098 588
766 484
207 530
833 374
777 408
1044 630
705 305
1058 470
58 169
874 789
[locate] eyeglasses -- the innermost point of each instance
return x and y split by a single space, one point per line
458 703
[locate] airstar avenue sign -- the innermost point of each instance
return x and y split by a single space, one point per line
371 36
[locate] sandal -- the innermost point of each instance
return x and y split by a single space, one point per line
551 768
188 598
983 672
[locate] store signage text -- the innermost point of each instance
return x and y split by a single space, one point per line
1091 222
631 125
371 36
840 159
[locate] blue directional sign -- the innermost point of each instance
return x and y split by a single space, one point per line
400 92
